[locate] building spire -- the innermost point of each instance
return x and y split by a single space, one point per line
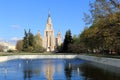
49 13
49 18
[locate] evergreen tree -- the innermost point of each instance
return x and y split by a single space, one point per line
28 41
67 41
25 41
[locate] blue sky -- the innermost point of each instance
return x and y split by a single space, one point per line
17 15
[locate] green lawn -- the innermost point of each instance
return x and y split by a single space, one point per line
24 53
103 55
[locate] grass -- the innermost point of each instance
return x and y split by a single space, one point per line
104 55
23 53
27 53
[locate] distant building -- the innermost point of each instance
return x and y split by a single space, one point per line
7 46
49 40
58 39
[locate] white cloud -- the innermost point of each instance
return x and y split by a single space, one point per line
1 39
15 39
15 26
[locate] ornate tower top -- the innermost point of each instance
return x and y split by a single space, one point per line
49 22
59 33
38 32
49 18
48 13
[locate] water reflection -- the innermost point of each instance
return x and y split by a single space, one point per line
49 69
68 71
53 69
59 69
30 69
27 74
91 72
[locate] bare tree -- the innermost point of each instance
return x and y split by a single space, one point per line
115 3
19 45
1 48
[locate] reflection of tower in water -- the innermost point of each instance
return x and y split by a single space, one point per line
59 68
49 70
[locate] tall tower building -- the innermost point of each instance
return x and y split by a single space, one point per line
58 39
49 39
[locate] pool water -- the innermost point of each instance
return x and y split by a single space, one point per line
53 69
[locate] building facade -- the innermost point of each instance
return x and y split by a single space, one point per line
59 39
49 40
7 46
